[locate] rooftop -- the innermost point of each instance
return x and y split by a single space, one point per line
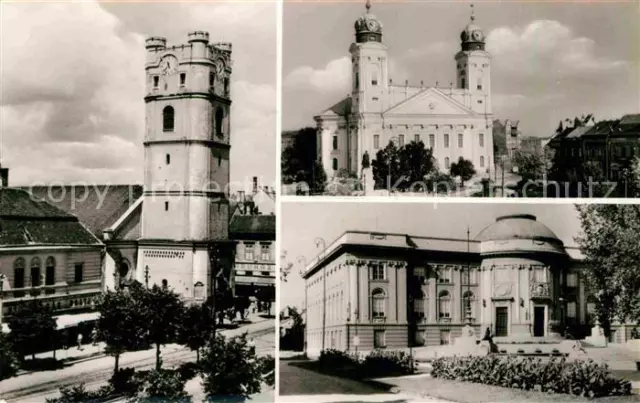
252 225
518 226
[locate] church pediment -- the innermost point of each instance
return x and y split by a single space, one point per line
429 102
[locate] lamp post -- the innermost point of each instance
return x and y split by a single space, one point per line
2 277
320 241
468 307
301 259
391 142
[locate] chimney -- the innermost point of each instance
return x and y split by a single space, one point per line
255 184
4 177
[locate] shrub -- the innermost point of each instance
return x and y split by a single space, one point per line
188 370
387 363
580 378
127 382
332 358
165 385
78 394
9 362
268 369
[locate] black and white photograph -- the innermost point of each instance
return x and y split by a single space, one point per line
138 202
459 302
433 98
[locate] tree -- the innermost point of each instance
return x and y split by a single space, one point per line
196 327
382 175
120 322
9 363
464 169
416 162
163 312
530 166
300 163
294 339
285 269
230 370
610 245
31 324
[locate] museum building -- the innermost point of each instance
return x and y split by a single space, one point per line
371 290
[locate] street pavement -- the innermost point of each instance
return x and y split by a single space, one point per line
95 372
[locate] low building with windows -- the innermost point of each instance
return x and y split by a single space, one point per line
46 254
371 290
254 270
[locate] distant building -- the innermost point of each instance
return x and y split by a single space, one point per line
46 254
399 290
609 145
254 270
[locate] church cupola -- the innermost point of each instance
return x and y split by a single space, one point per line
472 37
368 28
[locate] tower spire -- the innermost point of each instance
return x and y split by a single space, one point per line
368 5
473 16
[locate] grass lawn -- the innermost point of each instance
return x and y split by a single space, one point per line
467 392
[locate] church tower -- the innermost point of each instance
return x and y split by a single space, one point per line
473 67
186 163
369 66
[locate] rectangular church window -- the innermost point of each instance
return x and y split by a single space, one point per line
156 81
416 138
335 142
183 78
212 79
401 140
432 141
376 141
460 140
166 206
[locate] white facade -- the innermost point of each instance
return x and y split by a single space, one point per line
454 121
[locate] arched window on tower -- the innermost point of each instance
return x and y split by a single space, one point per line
168 119
463 83
219 122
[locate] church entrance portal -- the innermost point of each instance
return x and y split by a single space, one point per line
502 321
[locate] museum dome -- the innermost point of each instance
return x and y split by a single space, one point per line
517 226
472 36
368 27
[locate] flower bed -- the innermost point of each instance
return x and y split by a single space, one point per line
378 363
581 378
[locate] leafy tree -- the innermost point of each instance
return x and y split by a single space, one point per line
230 369
163 312
416 163
9 363
464 169
300 161
30 324
196 327
385 158
120 323
610 245
530 166
285 269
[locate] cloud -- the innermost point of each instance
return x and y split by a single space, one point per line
73 84
334 78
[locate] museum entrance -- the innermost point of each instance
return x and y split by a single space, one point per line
538 321
502 321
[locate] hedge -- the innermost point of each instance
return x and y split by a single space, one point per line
581 378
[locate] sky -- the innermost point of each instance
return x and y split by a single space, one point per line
72 77
302 223
551 60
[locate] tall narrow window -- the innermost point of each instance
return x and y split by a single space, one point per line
463 83
335 142
418 306
265 254
460 140
183 78
374 78
156 81
35 272
432 141
50 275
479 86
79 272
168 158
376 141
166 206
335 164
481 161
444 304
212 79
446 163
356 80
446 140
377 271
219 122
378 303
416 138
248 251
18 276
226 87
481 139
168 118
468 304
401 140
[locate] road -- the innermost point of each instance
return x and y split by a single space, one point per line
95 372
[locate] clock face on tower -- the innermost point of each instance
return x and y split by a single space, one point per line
372 25
477 35
168 65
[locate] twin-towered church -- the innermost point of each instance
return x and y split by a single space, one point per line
454 121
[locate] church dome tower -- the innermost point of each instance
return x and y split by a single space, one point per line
472 37
368 27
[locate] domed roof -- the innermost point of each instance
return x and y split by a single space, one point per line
368 23
518 226
472 36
